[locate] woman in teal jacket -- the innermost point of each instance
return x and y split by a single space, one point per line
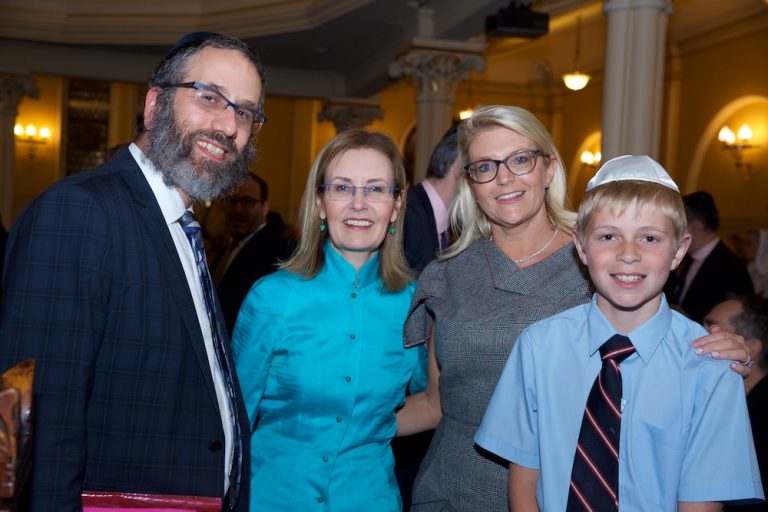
318 344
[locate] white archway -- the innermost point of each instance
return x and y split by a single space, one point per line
576 168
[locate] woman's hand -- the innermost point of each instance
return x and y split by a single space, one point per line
726 345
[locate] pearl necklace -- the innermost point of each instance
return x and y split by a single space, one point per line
523 260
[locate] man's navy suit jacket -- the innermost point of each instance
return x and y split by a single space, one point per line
421 238
124 399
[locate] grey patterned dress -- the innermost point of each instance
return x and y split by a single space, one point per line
479 301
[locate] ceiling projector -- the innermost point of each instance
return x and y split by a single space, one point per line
517 20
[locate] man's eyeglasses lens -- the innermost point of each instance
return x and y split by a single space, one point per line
211 100
518 163
374 193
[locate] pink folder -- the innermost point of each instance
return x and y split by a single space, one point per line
99 501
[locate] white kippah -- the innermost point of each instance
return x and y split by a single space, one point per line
631 167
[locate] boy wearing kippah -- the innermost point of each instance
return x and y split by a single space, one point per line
606 406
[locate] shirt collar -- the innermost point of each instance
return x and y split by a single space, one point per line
645 338
337 265
168 198
705 250
439 208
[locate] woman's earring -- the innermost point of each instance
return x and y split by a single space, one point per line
323 225
392 228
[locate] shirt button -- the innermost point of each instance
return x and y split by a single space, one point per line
354 295
348 378
215 445
320 499
325 459
352 336
338 419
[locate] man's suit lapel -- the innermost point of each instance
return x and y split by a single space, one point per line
223 332
175 279
247 255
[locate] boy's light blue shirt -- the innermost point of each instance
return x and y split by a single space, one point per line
685 433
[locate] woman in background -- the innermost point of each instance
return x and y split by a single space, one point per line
318 345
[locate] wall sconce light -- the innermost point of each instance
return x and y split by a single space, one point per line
32 136
576 80
737 143
467 112
591 159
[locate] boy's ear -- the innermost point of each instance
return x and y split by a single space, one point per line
682 248
579 248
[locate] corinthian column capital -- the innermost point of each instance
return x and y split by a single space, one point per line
436 71
12 89
346 113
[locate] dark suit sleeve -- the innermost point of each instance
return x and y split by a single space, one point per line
53 310
3 238
420 231
721 273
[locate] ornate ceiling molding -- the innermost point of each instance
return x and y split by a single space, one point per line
152 22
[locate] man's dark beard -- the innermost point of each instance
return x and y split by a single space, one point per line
170 150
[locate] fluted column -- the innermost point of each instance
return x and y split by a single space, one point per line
634 76
12 88
346 113
436 66
674 86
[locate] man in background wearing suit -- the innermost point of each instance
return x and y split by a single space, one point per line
255 249
710 270
107 288
426 218
748 317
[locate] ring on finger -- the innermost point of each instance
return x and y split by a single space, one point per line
748 362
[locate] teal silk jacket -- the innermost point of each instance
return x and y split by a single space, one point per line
322 368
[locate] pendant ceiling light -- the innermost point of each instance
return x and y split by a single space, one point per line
576 80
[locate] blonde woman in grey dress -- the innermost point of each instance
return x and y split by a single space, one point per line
512 264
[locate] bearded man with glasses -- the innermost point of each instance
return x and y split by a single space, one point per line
107 287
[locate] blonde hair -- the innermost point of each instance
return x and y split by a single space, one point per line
308 258
616 196
467 218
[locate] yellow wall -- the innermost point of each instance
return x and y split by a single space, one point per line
399 106
713 78
581 118
125 100
33 174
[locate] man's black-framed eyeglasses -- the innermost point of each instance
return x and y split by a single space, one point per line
519 163
211 100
